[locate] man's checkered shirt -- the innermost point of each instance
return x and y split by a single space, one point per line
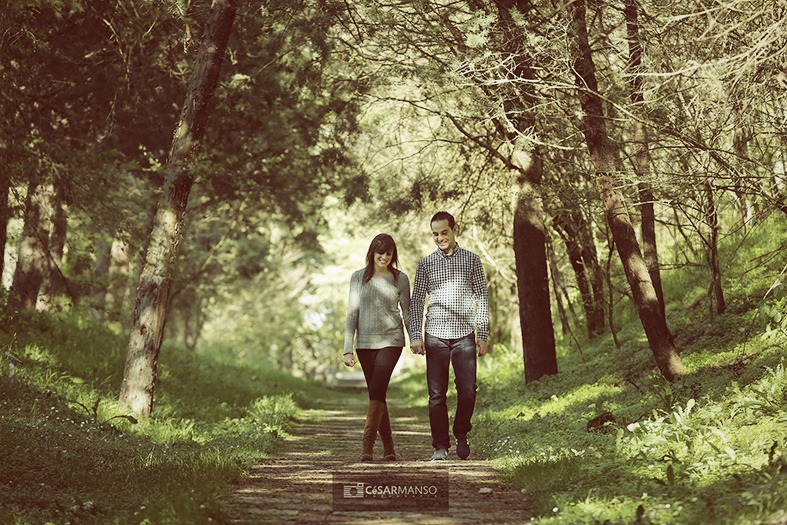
458 298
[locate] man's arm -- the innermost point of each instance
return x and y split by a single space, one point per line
481 296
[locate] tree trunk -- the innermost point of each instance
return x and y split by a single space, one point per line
147 330
642 154
554 272
715 290
594 128
54 281
530 250
100 282
582 256
118 276
535 313
33 257
5 216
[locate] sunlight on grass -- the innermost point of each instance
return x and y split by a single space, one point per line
709 447
71 454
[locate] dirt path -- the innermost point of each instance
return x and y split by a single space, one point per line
303 481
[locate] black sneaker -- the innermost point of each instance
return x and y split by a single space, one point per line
462 448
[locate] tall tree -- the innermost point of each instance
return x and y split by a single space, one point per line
535 313
598 144
530 239
54 281
5 215
577 236
33 254
642 151
147 330
716 302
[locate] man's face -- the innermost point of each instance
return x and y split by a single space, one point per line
444 236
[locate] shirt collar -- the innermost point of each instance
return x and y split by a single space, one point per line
456 250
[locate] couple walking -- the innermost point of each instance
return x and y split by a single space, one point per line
455 332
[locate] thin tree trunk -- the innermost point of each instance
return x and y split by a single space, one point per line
576 236
147 330
715 290
642 153
593 269
32 258
611 298
535 313
118 279
554 272
574 253
54 281
5 216
594 128
100 282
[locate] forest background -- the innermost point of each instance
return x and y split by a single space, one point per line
609 161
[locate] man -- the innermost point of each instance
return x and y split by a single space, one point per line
456 330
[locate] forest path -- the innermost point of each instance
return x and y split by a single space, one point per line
307 479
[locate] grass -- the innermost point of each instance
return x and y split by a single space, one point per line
710 447
70 455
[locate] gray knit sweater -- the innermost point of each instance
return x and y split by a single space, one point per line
374 318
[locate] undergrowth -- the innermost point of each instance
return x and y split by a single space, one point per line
609 441
69 454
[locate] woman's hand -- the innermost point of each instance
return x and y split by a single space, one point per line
349 360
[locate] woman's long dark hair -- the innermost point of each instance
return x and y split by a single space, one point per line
382 243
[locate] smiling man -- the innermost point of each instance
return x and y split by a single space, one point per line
455 332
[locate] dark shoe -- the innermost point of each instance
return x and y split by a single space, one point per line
440 454
373 416
386 436
462 448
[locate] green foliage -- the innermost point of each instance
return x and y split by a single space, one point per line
70 455
706 448
773 312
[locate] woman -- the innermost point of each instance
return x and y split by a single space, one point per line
376 323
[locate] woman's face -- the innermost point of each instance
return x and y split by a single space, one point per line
382 260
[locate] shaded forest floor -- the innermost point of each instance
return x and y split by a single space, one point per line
298 482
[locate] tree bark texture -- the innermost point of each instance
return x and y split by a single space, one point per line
54 281
642 154
530 248
535 312
150 310
716 303
33 257
5 215
594 128
580 248
554 272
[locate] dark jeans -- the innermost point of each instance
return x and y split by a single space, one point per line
378 365
461 354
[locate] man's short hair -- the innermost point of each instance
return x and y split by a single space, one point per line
443 216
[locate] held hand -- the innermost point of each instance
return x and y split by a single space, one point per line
417 348
349 360
481 347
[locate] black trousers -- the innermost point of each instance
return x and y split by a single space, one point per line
378 365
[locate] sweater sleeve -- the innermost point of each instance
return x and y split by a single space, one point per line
417 302
404 300
353 308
